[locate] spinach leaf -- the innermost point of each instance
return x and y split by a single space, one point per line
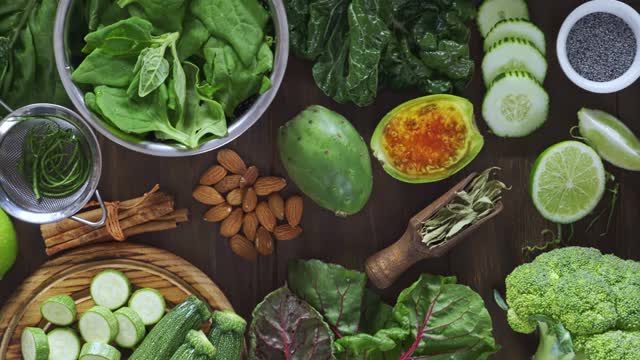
285 327
153 72
236 81
125 37
178 85
93 69
194 36
240 23
165 15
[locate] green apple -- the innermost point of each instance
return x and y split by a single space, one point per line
8 244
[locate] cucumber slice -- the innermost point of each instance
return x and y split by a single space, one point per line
515 105
34 344
98 325
99 351
492 11
149 304
59 310
130 328
518 28
111 289
513 54
64 344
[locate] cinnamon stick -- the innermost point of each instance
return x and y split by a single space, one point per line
144 216
51 230
86 229
179 216
153 226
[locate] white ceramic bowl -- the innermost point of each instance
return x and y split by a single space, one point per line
620 9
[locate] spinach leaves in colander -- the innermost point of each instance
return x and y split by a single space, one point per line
359 46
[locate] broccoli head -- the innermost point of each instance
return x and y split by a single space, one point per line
593 298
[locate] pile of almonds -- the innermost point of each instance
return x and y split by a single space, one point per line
242 200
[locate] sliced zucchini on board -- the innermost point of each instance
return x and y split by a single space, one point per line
111 289
513 54
492 11
131 329
515 105
34 344
59 310
64 344
99 351
149 304
98 325
518 28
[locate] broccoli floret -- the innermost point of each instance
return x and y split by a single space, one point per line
594 297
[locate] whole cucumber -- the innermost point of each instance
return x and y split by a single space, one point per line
328 160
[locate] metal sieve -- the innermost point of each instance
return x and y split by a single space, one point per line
16 195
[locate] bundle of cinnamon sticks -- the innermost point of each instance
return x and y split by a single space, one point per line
150 213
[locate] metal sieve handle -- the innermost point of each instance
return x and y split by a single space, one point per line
99 222
4 105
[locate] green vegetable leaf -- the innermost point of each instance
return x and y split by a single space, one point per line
194 35
332 290
285 327
313 23
128 36
240 23
554 338
153 72
446 320
93 70
166 15
178 89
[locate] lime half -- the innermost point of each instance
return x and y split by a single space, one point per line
8 244
567 182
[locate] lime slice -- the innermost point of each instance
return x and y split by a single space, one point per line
8 244
567 182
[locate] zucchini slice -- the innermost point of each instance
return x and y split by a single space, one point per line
98 325
131 329
111 289
59 310
34 344
513 54
99 351
515 105
492 11
149 304
516 28
64 344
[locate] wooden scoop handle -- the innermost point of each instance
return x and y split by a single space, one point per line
384 267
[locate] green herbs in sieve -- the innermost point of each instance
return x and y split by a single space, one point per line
53 160
475 202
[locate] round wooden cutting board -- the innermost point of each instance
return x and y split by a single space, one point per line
71 274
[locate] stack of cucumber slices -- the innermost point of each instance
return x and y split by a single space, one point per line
513 69
109 321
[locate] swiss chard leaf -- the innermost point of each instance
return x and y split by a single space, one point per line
285 327
334 291
240 23
446 320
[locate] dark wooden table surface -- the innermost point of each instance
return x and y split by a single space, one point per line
482 261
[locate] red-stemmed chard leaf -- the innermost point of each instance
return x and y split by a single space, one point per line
447 321
286 327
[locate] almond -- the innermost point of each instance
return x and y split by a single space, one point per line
243 248
293 210
265 216
269 184
218 213
249 177
232 224
231 161
207 195
250 226
287 232
213 175
250 200
228 183
264 242
276 204
235 197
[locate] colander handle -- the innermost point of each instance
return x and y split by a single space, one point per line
99 222
5 106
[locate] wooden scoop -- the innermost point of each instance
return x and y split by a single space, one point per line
384 267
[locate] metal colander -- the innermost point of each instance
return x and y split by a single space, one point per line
16 196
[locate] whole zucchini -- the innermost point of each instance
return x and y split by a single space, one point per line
227 334
196 347
167 336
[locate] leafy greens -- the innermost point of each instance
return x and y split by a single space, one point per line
359 46
434 318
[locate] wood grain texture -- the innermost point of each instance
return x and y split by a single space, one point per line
481 262
71 274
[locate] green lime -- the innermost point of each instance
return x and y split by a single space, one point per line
8 244
567 182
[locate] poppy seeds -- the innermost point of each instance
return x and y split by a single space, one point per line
601 47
